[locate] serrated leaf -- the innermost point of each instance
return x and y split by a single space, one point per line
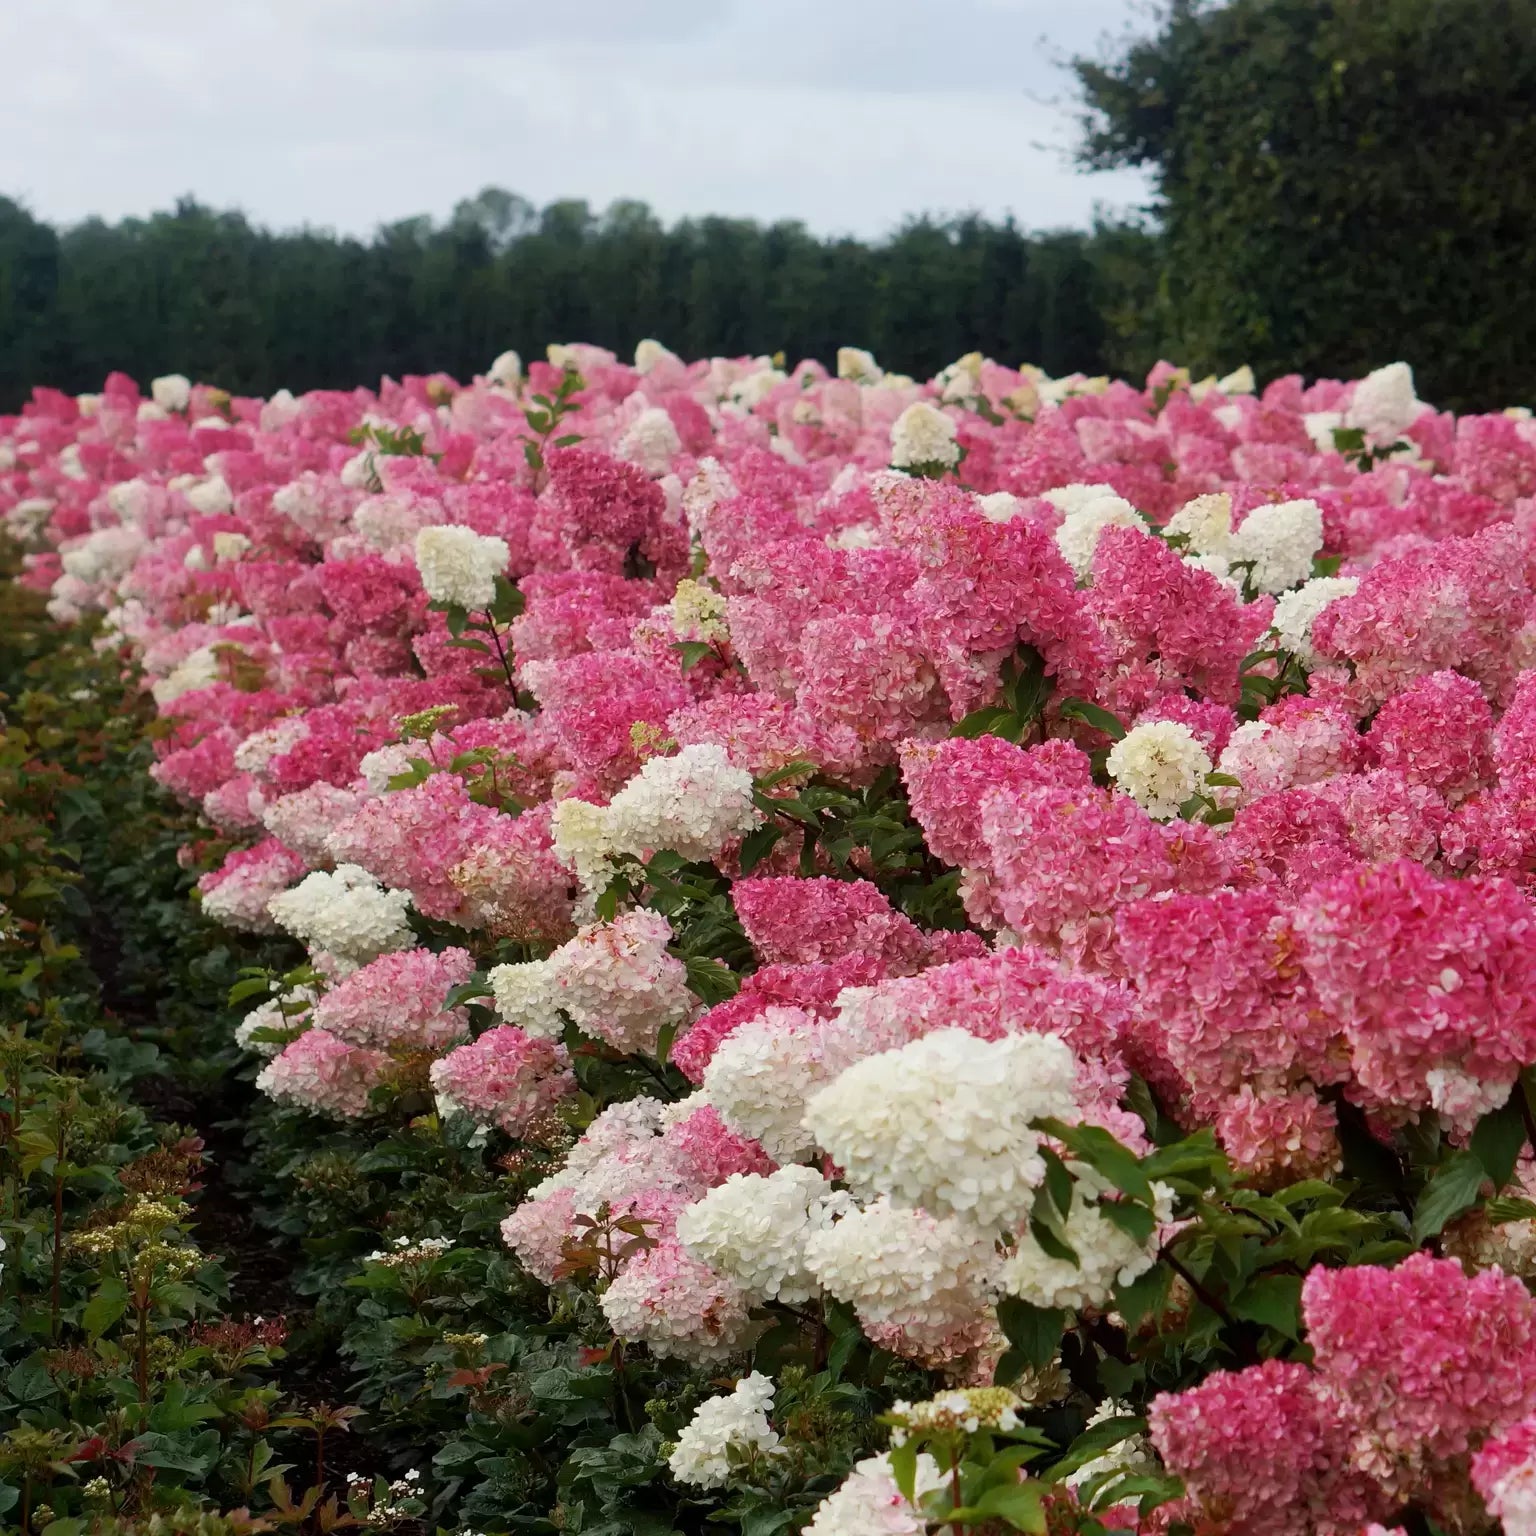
1453 1189
1093 714
1273 1300
1035 1332
1017 1504
1498 1139
756 846
982 721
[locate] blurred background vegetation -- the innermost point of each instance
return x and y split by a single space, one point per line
1339 183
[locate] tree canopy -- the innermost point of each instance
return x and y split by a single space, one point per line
1341 183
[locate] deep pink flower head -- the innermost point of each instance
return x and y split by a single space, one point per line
1438 731
1259 1453
1150 602
801 922
1420 1363
947 780
1432 980
1221 976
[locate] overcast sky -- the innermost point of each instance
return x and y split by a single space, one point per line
846 114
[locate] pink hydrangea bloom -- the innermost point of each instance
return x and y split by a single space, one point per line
505 1078
397 1001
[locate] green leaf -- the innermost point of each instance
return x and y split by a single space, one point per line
1094 1441
1098 1148
1453 1189
1273 1300
1058 1182
1091 714
1131 1216
1499 1137
756 846
904 1469
568 441
1144 1296
1018 1504
693 652
256 986
105 1308
1035 1332
981 722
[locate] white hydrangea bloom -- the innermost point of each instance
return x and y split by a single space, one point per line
753 1229
1133 1454
650 441
920 1282
346 912
358 473
1462 1099
1107 1254
272 741
199 670
923 436
1159 765
460 566
618 983
507 370
761 1076
944 1122
1296 612
693 803
171 391
1280 539
738 1422
860 366
105 556
230 546
1000 506
1073 498
1206 522
698 612
1086 519
27 518
869 1503
1320 427
378 767
270 1015
1384 404
750 391
211 496
528 995
650 354
583 841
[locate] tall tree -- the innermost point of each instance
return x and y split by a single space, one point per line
1342 183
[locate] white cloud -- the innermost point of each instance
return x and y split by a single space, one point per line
847 114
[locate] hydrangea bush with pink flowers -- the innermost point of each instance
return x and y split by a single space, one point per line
987 921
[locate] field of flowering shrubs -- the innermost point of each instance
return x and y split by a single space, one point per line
775 950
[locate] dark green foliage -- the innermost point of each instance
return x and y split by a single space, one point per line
1343 183
212 296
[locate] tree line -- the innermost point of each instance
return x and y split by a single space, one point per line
1339 183
212 295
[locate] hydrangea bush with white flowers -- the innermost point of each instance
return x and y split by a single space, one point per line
909 955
